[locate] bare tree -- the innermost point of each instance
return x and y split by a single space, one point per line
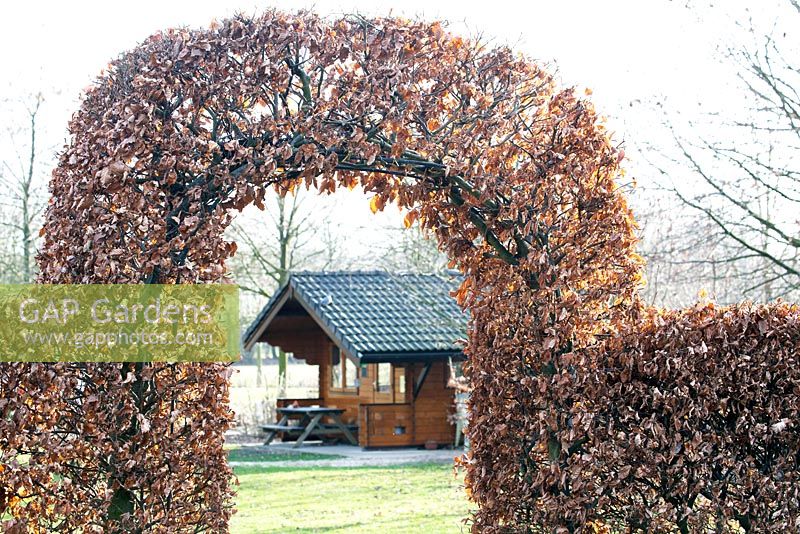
740 176
273 251
413 251
293 240
269 257
685 256
20 199
333 254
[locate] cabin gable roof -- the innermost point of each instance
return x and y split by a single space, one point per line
375 315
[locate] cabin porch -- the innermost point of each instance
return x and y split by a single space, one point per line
393 414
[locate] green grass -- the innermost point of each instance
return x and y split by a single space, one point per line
421 498
257 454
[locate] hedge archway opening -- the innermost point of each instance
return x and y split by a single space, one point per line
515 177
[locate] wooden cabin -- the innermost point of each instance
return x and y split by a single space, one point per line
385 345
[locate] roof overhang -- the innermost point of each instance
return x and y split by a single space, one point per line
410 357
274 307
255 332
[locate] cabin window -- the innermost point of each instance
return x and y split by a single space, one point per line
344 373
336 368
383 380
350 373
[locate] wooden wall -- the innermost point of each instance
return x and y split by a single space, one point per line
433 405
301 336
386 425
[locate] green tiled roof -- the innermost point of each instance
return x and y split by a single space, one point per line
378 313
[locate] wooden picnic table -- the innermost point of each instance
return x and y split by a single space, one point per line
309 424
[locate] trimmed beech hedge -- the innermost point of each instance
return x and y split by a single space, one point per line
686 421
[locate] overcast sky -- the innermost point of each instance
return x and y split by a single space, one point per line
624 50
633 54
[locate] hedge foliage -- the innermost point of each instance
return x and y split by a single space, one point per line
590 412
685 421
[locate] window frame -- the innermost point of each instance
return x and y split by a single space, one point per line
342 368
378 385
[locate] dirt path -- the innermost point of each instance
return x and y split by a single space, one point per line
347 456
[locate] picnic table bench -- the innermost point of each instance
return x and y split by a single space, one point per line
310 424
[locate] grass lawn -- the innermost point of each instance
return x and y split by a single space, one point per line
422 498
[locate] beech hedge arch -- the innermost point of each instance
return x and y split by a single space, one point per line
515 177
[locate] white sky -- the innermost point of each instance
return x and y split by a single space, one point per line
623 49
627 51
